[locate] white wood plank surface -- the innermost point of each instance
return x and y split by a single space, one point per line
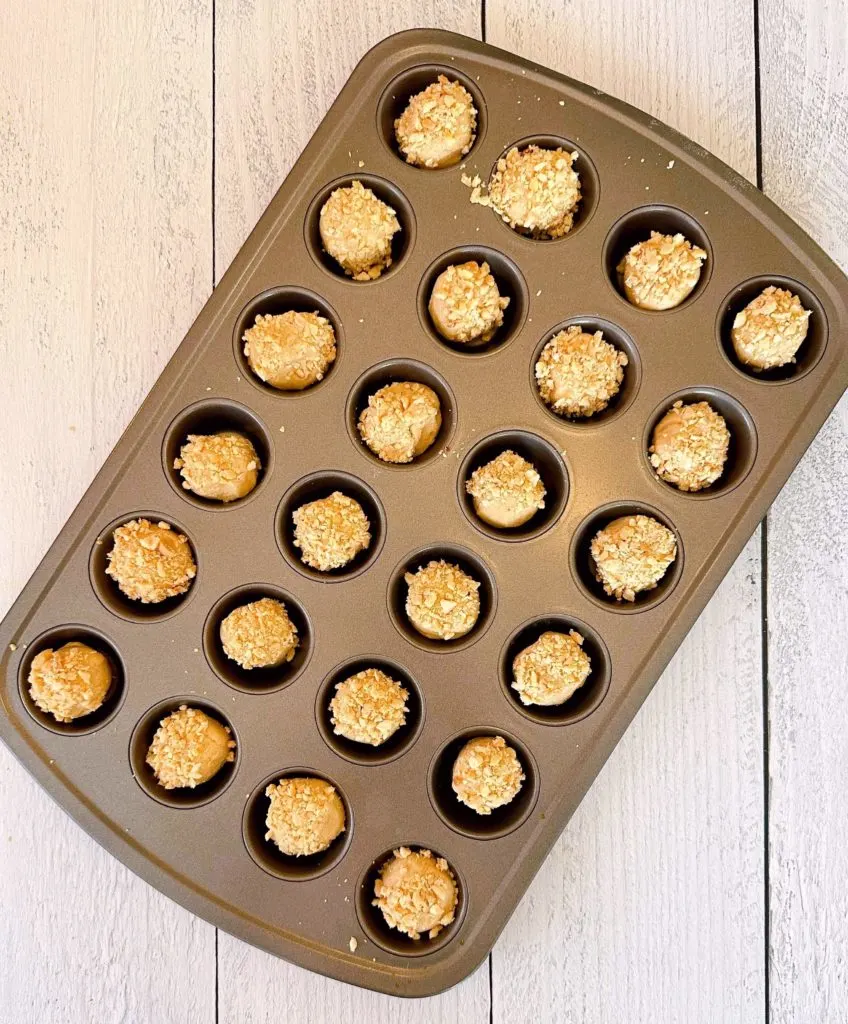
105 258
651 906
804 48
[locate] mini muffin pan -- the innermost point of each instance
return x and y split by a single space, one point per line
206 847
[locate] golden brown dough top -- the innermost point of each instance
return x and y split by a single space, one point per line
661 272
150 562
487 774
222 466
189 748
506 489
70 682
292 350
401 421
259 634
368 707
356 230
436 129
331 532
578 373
442 602
632 554
689 446
466 304
416 893
304 815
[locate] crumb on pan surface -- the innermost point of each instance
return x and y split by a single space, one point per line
689 446
578 374
416 893
292 350
368 707
401 421
221 467
632 554
356 230
69 682
259 634
443 602
660 272
551 669
465 303
487 774
437 127
534 190
305 815
189 748
150 562
507 491
768 332
331 531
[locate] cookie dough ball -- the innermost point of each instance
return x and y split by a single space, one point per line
416 893
437 127
221 467
536 191
487 774
465 304
689 446
259 634
768 332
368 707
401 421
443 602
507 492
150 562
331 532
70 682
189 748
304 815
552 669
357 229
578 374
661 272
632 554
292 350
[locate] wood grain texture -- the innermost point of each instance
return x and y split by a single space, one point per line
105 221
278 69
804 48
651 907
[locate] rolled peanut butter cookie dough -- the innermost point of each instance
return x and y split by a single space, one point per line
357 230
150 562
368 707
578 374
689 446
416 893
401 421
551 669
292 350
507 492
768 332
465 303
487 774
632 554
660 272
443 602
70 682
259 634
331 532
536 191
221 467
437 127
304 816
189 748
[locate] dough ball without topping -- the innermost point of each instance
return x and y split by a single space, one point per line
368 707
331 532
221 467
150 562
70 682
416 893
536 190
578 374
551 669
401 421
443 602
304 815
465 304
259 634
487 774
689 446
507 492
632 554
660 272
437 126
357 229
768 332
189 748
292 350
